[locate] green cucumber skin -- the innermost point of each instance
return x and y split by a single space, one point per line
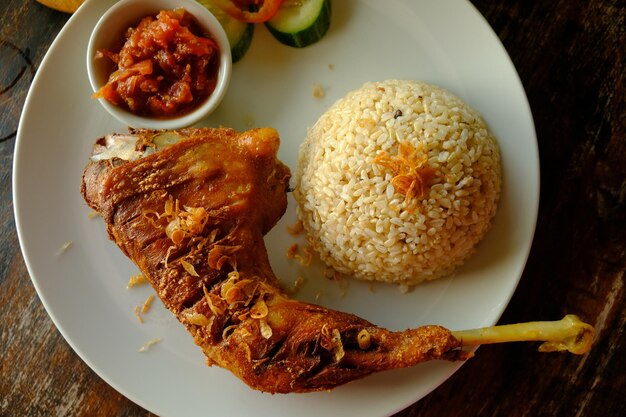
308 36
239 40
238 50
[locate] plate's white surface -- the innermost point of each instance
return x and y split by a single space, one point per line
84 289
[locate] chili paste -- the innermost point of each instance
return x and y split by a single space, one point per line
166 66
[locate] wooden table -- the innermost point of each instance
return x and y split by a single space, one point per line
571 58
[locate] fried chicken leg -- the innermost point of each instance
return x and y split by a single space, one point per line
190 209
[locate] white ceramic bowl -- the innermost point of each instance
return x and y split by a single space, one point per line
111 28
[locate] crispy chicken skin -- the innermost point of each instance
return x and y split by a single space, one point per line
191 216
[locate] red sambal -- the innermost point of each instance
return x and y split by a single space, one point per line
166 67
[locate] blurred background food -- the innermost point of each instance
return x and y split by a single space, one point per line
67 6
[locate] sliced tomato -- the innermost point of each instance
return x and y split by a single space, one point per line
243 9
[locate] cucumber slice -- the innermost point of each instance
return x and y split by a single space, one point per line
300 24
240 43
239 33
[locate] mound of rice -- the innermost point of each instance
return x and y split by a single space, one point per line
364 223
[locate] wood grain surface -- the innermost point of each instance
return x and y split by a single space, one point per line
571 58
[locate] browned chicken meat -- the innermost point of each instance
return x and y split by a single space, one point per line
190 209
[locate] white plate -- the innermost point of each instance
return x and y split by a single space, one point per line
84 289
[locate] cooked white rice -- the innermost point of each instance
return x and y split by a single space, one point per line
355 219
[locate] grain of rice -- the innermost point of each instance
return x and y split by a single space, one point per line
147 304
137 311
149 344
353 215
66 245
